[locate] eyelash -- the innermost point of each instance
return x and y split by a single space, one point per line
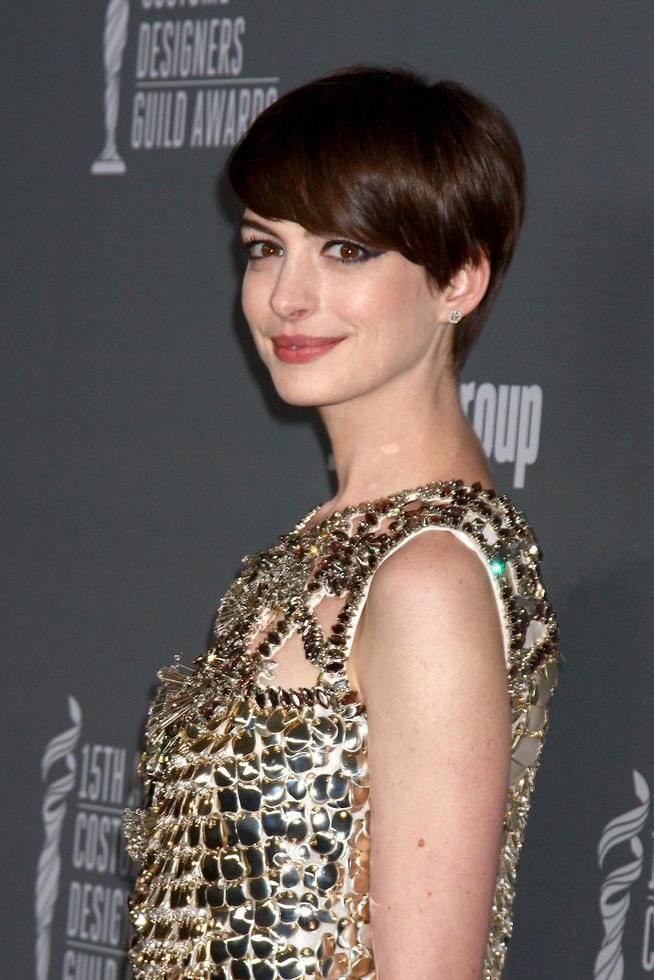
367 253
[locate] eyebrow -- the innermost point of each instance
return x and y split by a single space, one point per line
253 223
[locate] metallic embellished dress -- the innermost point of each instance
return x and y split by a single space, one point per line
253 838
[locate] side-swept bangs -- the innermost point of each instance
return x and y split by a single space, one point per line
383 157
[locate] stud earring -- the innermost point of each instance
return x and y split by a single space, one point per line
454 316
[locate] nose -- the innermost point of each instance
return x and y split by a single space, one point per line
295 293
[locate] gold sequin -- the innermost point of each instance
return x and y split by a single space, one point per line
254 836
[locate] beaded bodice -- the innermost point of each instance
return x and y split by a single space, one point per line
253 838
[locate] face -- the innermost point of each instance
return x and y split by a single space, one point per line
334 320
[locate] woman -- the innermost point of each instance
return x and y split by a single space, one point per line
339 786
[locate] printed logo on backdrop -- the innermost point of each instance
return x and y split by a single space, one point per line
622 835
507 420
83 875
184 86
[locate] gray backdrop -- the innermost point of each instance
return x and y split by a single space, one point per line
145 453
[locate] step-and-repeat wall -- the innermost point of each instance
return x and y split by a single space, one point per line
145 452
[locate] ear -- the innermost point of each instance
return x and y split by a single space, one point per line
466 289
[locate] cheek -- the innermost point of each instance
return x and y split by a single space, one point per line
390 294
252 304
256 287
399 325
248 297
383 309
362 305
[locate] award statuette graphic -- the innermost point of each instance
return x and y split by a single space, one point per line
60 749
115 38
615 892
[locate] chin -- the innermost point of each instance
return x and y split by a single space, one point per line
302 399
309 395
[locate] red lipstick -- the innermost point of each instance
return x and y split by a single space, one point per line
300 348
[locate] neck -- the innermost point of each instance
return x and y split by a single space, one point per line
403 435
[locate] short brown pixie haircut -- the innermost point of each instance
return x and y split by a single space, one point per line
383 156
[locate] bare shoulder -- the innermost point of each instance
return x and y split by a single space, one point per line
436 560
431 606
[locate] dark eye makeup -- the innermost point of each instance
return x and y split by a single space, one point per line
365 252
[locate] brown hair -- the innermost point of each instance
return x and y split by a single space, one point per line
381 155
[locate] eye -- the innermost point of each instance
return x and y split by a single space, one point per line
267 247
347 251
350 252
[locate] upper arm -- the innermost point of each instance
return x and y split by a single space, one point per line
439 742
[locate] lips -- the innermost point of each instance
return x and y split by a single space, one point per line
299 348
302 340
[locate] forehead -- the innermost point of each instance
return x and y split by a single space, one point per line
278 226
